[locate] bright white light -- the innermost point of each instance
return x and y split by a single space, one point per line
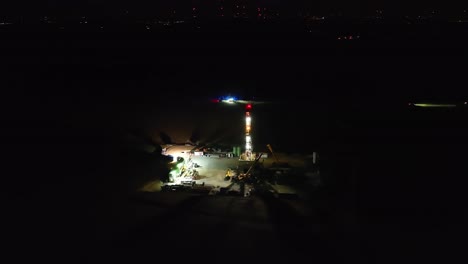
248 139
248 146
248 120
229 100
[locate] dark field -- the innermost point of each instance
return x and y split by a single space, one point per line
394 173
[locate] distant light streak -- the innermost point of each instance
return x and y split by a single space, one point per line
435 105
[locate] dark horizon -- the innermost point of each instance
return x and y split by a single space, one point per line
337 7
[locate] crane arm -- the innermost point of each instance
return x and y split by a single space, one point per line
273 153
253 164
244 175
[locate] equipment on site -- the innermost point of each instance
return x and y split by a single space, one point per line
229 174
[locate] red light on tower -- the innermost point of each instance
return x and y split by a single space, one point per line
248 107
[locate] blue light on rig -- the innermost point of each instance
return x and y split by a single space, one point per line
229 99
